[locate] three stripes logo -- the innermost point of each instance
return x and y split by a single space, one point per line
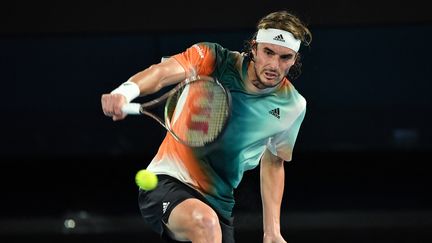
275 112
279 38
165 206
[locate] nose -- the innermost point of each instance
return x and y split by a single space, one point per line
274 62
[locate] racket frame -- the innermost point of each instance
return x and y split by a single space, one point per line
144 107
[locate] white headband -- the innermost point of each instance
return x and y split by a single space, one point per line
278 37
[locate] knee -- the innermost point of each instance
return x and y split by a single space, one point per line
207 221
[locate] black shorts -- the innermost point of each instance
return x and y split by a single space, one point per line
156 206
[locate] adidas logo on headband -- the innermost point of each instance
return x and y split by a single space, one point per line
279 38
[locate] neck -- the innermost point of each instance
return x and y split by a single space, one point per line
253 84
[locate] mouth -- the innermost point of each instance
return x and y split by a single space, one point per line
270 75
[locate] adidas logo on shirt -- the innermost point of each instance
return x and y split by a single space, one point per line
164 206
275 112
279 38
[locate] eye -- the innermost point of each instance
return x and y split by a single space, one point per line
287 57
268 52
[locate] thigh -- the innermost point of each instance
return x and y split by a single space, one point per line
161 208
156 205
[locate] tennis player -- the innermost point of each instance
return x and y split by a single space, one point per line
194 198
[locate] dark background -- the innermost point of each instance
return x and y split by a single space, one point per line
360 171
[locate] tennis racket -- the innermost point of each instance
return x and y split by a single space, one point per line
196 110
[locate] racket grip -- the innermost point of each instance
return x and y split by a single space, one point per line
131 109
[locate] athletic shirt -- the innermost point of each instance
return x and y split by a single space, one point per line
268 120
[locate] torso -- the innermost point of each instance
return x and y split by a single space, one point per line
255 120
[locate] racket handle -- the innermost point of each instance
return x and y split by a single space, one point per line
131 109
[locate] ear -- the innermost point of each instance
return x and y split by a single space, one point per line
297 58
253 50
254 47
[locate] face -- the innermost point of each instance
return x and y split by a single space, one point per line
271 63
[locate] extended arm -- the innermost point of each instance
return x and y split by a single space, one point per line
145 82
272 178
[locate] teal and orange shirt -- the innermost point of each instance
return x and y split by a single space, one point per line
267 120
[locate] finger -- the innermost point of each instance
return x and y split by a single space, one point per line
118 118
118 102
103 103
107 105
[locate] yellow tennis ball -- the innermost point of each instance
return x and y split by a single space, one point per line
146 180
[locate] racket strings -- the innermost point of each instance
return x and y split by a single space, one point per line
198 112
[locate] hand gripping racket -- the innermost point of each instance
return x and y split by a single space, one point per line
196 110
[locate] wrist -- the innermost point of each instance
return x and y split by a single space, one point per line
128 89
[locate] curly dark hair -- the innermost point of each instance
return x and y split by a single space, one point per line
282 20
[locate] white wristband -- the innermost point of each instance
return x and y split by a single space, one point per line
128 89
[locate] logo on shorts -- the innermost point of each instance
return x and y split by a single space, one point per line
165 206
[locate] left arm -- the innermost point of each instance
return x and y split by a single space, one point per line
272 179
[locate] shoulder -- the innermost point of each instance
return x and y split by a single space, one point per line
215 48
212 45
294 95
203 46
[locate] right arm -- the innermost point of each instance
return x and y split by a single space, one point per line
148 81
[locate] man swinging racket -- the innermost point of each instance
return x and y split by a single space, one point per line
194 200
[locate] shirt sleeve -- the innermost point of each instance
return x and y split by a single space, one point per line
282 144
198 59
